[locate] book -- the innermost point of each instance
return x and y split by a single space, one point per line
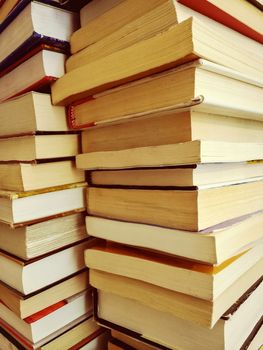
38 147
108 37
39 25
25 306
6 344
6 7
183 153
103 25
198 311
94 9
174 93
51 268
180 44
44 66
256 341
172 128
23 343
33 240
196 175
211 246
185 209
155 327
87 333
72 308
31 113
9 5
247 20
120 340
30 177
257 3
24 208
199 280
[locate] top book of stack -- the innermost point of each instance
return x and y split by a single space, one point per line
195 36
42 24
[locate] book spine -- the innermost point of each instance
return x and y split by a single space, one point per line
208 9
30 44
72 116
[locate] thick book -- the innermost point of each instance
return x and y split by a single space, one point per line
42 24
30 177
93 9
31 113
247 20
83 333
182 43
196 175
103 36
121 340
38 147
198 311
44 65
171 94
236 328
211 246
172 128
17 208
184 209
25 306
86 335
33 240
183 153
9 5
126 11
43 272
36 330
199 280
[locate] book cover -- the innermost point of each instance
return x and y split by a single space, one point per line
212 11
33 41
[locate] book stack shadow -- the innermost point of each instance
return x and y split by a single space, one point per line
45 296
172 139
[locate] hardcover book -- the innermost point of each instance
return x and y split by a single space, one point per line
42 25
45 66
247 20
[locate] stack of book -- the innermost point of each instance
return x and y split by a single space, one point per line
173 145
45 296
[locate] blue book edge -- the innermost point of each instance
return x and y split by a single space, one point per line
33 41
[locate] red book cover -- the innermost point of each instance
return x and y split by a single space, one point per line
206 8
